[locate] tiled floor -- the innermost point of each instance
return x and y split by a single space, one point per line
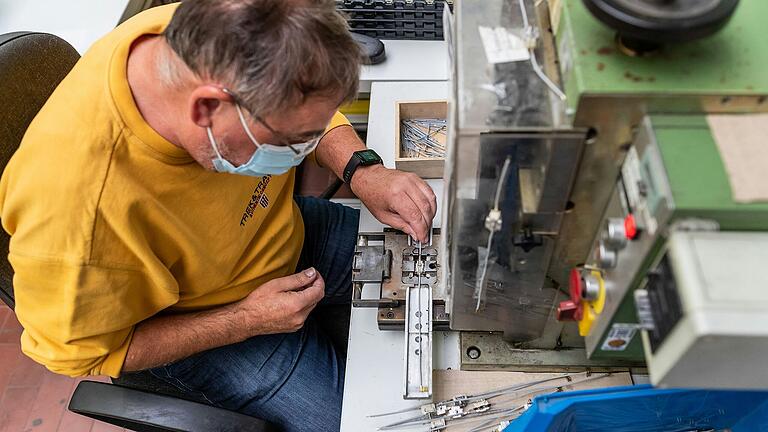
32 399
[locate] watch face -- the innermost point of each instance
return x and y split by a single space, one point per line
368 157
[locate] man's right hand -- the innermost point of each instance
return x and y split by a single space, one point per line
282 305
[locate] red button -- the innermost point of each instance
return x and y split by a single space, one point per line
575 285
569 311
630 226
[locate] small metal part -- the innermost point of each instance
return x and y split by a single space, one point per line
393 318
473 352
615 234
437 425
607 258
493 220
591 289
371 264
428 409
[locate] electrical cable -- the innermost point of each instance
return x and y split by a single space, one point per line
494 211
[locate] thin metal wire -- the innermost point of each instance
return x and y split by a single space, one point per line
534 62
502 409
423 137
499 186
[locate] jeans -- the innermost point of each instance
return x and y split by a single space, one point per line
294 380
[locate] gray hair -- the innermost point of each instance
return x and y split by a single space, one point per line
273 54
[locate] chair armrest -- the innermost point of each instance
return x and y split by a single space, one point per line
148 412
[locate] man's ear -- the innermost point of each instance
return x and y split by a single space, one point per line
204 102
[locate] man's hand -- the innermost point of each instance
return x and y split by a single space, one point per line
279 306
282 305
396 198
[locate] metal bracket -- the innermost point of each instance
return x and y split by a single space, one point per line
371 264
418 343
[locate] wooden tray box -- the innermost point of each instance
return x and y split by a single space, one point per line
425 167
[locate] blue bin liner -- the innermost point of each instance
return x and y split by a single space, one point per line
645 409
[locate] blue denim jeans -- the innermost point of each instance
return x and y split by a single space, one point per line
294 380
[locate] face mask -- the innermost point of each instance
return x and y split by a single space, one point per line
267 159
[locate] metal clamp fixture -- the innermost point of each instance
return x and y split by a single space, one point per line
371 264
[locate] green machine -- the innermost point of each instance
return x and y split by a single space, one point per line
649 84
647 111
654 166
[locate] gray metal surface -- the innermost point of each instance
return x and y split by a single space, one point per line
656 209
418 343
489 351
615 119
419 275
371 264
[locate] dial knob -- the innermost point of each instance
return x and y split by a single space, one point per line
607 258
615 234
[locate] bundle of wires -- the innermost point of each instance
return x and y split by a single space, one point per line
423 138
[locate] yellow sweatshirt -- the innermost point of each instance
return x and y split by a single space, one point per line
112 224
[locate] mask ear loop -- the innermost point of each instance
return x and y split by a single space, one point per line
213 141
245 126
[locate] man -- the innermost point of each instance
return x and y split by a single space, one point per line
152 214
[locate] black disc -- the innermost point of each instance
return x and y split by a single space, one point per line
663 21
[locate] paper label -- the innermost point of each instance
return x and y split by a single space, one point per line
501 46
619 337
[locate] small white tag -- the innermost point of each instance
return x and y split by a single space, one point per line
501 46
619 337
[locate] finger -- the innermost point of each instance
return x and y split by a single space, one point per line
424 204
297 281
410 212
312 294
429 194
395 221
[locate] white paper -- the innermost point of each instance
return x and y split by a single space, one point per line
501 46
741 142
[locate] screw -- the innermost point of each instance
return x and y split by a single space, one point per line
473 352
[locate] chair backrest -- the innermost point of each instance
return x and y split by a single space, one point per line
31 66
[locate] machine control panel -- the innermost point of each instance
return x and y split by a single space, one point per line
640 206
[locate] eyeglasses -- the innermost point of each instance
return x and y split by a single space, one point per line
300 150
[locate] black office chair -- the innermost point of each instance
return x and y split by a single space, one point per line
31 66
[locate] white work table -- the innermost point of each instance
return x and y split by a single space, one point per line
408 60
374 375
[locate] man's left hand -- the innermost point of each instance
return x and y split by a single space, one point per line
399 199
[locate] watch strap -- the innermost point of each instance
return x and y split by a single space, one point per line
357 160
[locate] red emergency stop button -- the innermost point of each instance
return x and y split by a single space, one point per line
630 226
575 285
569 310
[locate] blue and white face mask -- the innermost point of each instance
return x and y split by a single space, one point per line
267 159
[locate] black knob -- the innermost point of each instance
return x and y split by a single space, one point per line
643 25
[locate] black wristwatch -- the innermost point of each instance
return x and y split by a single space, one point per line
358 159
